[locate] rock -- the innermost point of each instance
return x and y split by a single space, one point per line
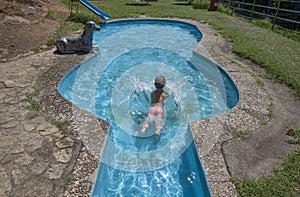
63 155
24 160
10 124
65 143
39 167
55 171
55 137
41 127
30 10
18 149
4 119
15 20
29 127
36 188
12 83
25 137
29 115
49 131
17 176
2 95
34 144
5 184
43 47
11 131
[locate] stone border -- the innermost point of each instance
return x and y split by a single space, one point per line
35 156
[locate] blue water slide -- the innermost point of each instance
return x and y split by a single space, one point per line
94 9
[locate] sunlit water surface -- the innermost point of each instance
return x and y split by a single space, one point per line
115 85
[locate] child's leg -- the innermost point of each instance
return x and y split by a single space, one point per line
146 123
159 123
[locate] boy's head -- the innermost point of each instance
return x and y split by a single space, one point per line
160 82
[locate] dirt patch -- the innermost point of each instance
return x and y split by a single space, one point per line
25 27
258 154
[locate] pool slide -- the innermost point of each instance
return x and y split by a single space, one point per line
94 9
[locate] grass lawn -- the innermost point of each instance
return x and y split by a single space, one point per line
279 55
284 182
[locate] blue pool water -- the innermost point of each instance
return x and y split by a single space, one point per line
115 85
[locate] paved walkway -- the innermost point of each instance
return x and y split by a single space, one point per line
35 157
38 159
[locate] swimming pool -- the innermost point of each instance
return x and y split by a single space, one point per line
115 85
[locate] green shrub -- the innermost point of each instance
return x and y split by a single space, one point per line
82 17
221 8
201 5
53 15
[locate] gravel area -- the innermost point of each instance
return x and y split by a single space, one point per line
81 179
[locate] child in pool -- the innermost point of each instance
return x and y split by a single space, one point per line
156 110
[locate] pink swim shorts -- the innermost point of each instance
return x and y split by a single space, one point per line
156 111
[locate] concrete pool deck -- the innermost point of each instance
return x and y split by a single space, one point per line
37 159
